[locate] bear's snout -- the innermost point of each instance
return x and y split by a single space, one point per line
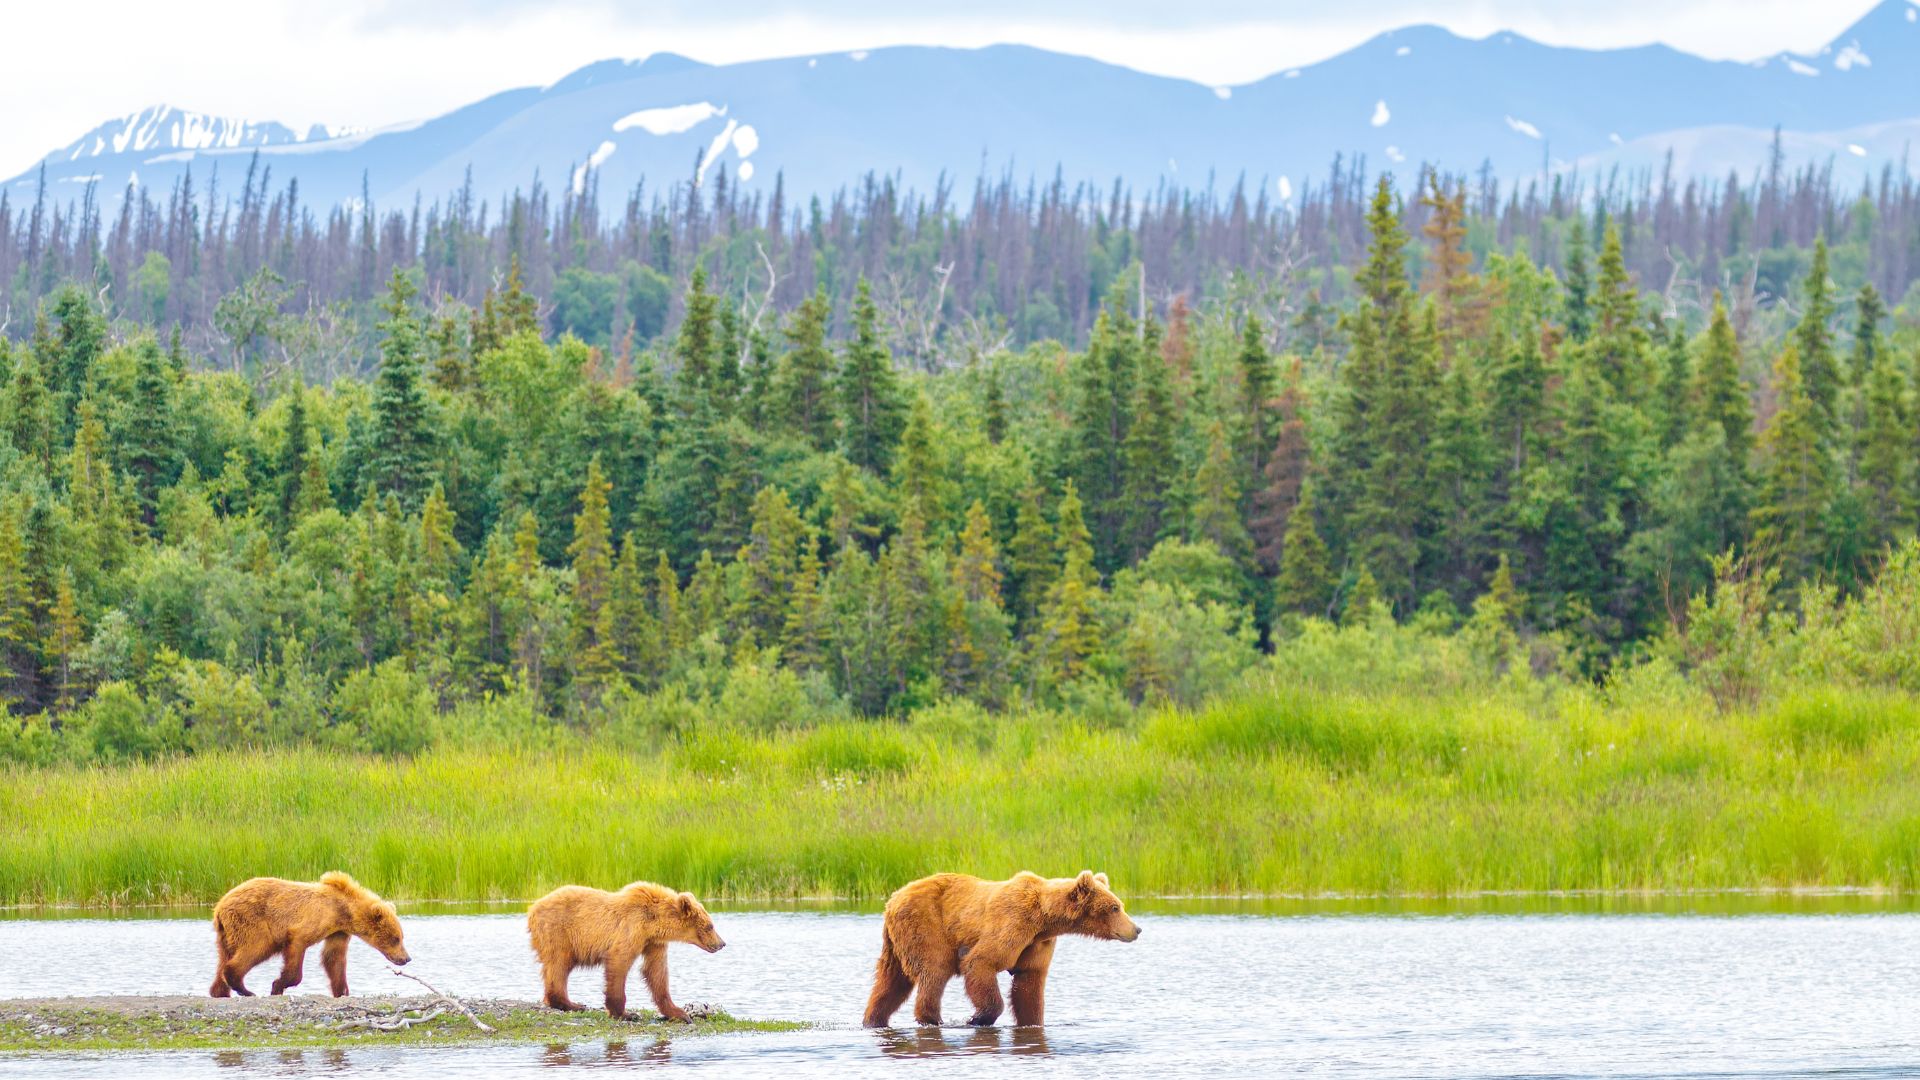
713 946
399 957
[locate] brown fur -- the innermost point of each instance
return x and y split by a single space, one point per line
263 916
954 924
574 926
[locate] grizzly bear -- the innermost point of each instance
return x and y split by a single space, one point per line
575 926
955 924
263 916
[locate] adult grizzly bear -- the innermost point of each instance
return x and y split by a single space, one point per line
955 924
263 916
574 926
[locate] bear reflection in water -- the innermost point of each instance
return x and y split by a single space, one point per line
922 1042
617 1052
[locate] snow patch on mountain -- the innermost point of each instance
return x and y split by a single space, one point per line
1851 57
670 119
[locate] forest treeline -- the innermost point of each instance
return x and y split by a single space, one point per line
1550 468
256 277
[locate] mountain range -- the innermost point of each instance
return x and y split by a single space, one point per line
1413 95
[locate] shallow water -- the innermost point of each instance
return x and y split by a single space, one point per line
1197 995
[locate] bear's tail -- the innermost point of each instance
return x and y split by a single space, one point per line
222 953
890 984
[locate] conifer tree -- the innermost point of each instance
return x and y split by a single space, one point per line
871 410
1577 311
152 440
594 656
29 409
1869 344
994 411
916 465
1256 432
1030 553
1813 341
1069 635
976 573
804 641
1671 404
66 635
1215 515
1450 278
1285 474
17 616
401 457
806 374
1363 597
1795 477
1149 458
292 462
769 563
1103 388
1305 583
1886 456
1719 395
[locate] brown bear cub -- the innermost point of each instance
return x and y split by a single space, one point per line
263 916
574 926
955 924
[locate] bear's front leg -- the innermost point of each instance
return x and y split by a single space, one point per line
653 966
333 961
1030 983
983 988
617 968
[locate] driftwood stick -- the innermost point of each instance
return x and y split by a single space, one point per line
448 998
400 1022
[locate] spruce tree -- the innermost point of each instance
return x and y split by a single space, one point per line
1869 344
401 457
1256 424
1030 553
871 410
1886 456
1069 634
1215 515
1149 459
292 462
1796 477
1305 583
1577 311
806 375
1813 341
1719 395
594 657
694 348
151 436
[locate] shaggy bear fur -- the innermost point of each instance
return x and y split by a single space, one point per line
263 916
575 926
954 924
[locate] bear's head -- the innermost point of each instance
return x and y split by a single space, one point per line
1091 909
695 926
374 920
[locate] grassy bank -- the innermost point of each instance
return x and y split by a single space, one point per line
307 1022
1274 790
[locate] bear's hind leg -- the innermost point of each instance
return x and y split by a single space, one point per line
219 987
291 967
243 961
333 960
553 975
890 986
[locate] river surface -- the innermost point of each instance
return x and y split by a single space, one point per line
1213 995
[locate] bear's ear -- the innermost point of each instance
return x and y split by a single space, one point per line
687 904
1102 879
1083 885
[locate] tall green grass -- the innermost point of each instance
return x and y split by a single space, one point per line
1273 790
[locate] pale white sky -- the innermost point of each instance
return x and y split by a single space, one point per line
69 65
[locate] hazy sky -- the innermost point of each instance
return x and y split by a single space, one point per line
72 64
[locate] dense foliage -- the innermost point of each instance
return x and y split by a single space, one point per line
766 515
